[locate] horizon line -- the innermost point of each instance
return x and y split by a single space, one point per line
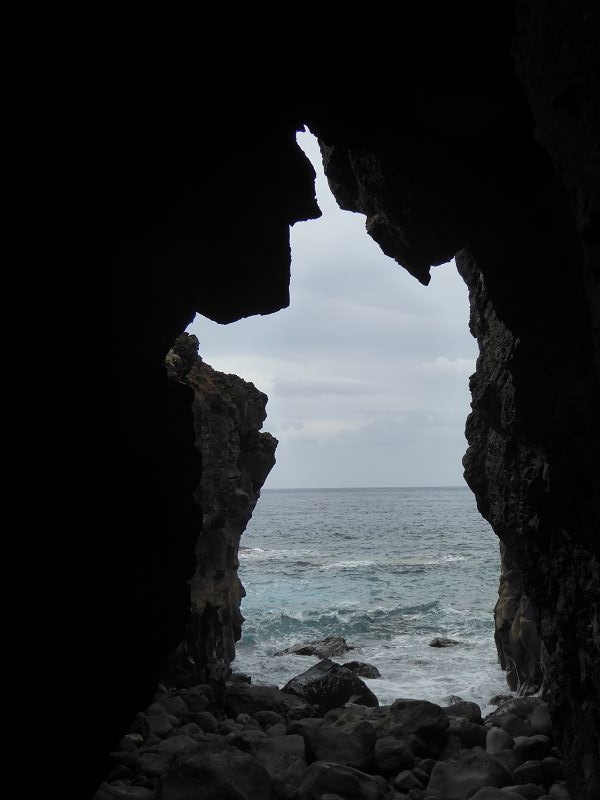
337 488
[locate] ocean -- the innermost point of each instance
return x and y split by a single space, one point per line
389 569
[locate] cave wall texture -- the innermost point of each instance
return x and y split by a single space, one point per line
156 174
236 457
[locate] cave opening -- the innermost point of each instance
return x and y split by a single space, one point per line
365 528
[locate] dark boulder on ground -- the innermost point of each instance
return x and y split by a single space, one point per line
328 647
214 775
468 771
323 778
418 717
329 685
243 698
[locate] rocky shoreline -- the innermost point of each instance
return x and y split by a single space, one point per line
322 737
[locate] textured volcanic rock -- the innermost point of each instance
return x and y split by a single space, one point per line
328 647
329 685
236 458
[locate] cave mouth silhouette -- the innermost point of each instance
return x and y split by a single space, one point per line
337 366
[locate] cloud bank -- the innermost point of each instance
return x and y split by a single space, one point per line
366 372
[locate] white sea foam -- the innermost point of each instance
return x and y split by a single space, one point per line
320 564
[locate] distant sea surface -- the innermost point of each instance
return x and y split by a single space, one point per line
388 569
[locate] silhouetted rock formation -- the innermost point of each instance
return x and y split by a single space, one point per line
161 177
236 459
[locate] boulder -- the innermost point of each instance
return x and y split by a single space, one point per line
511 723
498 739
406 780
530 791
307 728
243 698
442 641
508 758
343 741
218 773
329 685
469 771
108 791
323 778
268 718
178 745
362 670
466 709
529 748
153 764
206 721
558 791
529 772
469 733
282 756
540 720
419 717
491 793
329 647
552 768
392 755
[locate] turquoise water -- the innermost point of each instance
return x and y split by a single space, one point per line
388 569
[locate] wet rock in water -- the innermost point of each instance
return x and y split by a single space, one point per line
328 647
362 670
329 685
322 778
468 771
442 641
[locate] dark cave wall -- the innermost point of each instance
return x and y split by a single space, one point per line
236 459
159 176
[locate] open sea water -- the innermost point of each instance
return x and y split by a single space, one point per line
388 569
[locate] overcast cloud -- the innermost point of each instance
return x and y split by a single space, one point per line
366 371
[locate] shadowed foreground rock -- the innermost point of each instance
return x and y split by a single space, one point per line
260 743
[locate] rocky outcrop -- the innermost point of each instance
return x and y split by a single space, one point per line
260 742
548 570
517 626
236 459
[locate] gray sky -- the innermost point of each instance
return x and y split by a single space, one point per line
366 371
